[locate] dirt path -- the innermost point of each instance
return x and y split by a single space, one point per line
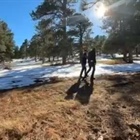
107 110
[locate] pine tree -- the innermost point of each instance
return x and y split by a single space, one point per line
6 42
80 30
56 11
123 23
16 53
24 49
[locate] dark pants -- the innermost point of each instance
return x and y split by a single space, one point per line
91 66
83 70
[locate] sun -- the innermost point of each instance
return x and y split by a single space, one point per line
101 10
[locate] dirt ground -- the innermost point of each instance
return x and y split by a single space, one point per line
66 110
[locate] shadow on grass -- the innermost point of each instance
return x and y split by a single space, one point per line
80 91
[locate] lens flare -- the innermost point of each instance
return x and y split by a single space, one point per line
101 10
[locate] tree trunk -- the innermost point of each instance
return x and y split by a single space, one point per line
49 59
53 58
130 56
125 56
57 58
112 55
137 52
64 57
81 44
35 58
43 60
26 52
64 60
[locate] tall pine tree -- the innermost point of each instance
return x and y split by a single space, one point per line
6 42
57 11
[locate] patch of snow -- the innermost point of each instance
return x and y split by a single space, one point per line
122 68
26 75
137 62
118 55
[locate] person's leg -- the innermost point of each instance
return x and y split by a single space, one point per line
88 70
81 72
84 72
92 75
94 69
83 68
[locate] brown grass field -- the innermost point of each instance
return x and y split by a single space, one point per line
107 110
112 61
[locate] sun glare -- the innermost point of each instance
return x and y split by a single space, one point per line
101 10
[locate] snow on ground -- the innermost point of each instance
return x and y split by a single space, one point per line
24 62
137 62
27 74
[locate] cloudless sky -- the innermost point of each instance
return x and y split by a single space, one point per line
16 13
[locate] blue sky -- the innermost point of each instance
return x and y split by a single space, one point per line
16 14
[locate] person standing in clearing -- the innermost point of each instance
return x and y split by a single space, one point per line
91 63
83 63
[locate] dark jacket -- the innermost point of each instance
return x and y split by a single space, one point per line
84 58
92 57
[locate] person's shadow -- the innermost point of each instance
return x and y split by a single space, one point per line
72 90
80 91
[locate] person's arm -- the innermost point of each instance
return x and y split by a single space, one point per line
89 56
95 56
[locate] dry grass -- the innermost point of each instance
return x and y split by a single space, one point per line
43 113
111 62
